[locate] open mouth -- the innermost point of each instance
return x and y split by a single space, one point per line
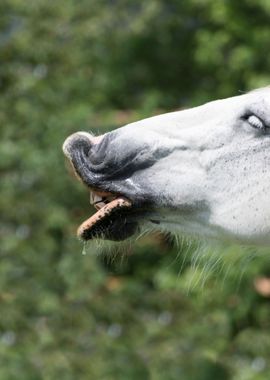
115 218
112 220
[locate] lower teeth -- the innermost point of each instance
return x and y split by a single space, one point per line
99 205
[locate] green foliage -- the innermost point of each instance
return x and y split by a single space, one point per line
158 312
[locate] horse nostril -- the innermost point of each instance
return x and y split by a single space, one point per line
76 142
84 153
99 151
80 141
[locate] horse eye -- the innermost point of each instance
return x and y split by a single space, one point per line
256 122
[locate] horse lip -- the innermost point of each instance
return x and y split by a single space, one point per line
101 224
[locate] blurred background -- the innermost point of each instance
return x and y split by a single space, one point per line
150 309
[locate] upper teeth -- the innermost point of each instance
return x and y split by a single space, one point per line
94 198
99 201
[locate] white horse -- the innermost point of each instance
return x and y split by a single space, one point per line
204 171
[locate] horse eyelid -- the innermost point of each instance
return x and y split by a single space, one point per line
255 121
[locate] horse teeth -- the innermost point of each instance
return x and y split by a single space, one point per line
91 198
94 198
99 201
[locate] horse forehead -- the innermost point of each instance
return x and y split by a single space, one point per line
221 109
225 107
257 99
206 126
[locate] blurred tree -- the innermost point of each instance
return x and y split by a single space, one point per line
157 314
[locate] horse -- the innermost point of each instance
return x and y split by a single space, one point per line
202 171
